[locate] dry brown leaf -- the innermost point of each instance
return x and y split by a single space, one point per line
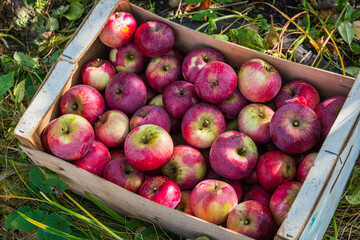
273 37
356 25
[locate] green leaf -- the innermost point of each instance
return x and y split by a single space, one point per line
24 59
348 12
150 233
15 221
6 82
223 1
31 91
193 1
60 11
352 71
212 25
356 25
51 183
36 176
354 198
19 91
355 48
57 221
248 38
347 31
134 223
221 36
52 24
355 15
75 11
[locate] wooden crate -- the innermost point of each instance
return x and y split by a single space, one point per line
318 198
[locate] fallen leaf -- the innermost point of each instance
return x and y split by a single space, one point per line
273 37
356 25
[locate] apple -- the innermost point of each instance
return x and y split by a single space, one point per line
305 166
197 59
117 153
148 147
151 114
212 200
157 100
112 128
154 39
232 106
119 30
254 120
258 81
298 92
82 100
162 71
257 193
215 82
186 167
150 93
95 160
295 128
252 219
201 124
178 97
70 137
120 172
274 168
233 155
176 53
97 73
252 178
162 190
184 205
125 92
327 111
44 134
282 199
127 59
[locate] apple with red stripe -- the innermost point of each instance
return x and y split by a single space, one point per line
232 106
97 73
151 114
305 165
257 193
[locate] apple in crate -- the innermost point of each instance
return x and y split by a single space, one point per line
252 178
215 82
157 100
186 167
151 114
162 71
112 128
305 165
119 30
95 160
117 153
184 204
327 112
295 128
257 193
233 155
282 199
202 124
179 97
120 172
232 106
70 137
154 39
299 92
148 147
258 81
44 134
151 93
82 100
275 168
254 120
212 200
197 59
162 190
252 219
125 92
97 73
127 59
176 53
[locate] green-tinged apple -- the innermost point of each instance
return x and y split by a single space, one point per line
97 73
184 204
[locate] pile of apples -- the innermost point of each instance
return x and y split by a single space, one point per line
244 142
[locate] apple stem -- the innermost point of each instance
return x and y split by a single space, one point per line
181 92
241 151
165 68
262 115
206 123
66 130
295 123
118 91
74 106
128 169
206 59
247 222
101 119
268 68
216 186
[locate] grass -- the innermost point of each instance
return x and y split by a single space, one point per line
29 48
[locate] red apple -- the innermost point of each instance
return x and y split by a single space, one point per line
252 219
162 71
233 155
212 200
117 153
82 100
282 199
97 73
154 39
295 128
118 30
148 147
186 167
257 193
179 97
176 53
184 205
120 172
125 92
254 120
44 134
151 93
232 106
275 168
215 82
95 160
197 59
70 137
151 114
305 165
112 128
298 92
201 124
258 81
127 59
161 190
252 178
